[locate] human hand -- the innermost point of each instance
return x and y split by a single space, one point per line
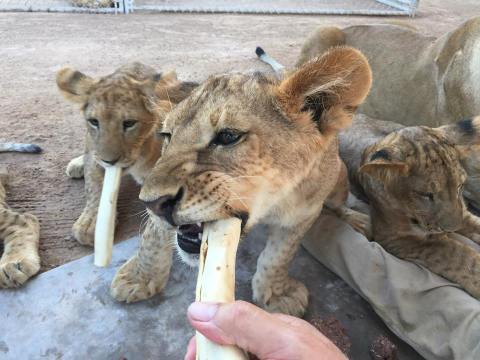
267 336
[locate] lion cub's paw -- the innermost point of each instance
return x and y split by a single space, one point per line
75 168
359 222
290 297
15 272
131 285
84 229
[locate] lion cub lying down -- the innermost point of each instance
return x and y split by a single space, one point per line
262 150
122 111
413 179
19 232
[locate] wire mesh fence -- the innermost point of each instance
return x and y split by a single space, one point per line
347 7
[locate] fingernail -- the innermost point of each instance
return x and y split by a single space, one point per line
200 311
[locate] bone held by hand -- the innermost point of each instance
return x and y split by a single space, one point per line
216 280
105 225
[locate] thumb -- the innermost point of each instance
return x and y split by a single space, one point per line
241 324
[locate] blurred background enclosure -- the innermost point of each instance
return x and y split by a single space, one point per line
353 7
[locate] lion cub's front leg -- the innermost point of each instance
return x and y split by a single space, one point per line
20 234
443 255
272 287
146 273
84 228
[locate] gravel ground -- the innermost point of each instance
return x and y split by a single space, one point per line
35 45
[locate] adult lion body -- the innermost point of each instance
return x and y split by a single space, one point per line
122 111
418 80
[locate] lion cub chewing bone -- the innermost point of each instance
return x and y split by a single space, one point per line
122 112
264 150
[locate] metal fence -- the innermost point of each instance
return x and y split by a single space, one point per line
114 6
341 7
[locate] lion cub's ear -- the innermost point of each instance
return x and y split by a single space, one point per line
465 132
156 91
382 166
168 78
164 90
74 85
327 89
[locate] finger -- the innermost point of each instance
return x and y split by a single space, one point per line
241 324
191 349
291 320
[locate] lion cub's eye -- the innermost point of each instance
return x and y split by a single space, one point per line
227 137
93 122
128 124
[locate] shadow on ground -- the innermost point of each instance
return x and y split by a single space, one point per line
67 312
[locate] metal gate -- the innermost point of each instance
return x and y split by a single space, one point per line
339 7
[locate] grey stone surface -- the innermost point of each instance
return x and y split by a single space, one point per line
67 313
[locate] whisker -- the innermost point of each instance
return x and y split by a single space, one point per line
141 213
234 178
143 224
168 97
236 195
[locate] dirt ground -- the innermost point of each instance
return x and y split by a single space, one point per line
35 45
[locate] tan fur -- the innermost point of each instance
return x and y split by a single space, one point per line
418 80
20 234
470 159
134 92
413 179
279 170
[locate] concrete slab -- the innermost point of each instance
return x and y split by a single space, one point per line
67 312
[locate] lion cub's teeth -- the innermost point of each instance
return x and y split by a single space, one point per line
199 236
199 224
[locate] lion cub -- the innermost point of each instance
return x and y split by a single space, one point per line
260 149
19 232
122 111
413 179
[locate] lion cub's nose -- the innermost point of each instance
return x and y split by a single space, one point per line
165 205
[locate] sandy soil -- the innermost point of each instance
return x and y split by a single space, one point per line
35 45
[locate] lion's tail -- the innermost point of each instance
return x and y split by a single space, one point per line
19 147
276 66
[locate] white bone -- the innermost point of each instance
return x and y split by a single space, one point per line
216 280
107 209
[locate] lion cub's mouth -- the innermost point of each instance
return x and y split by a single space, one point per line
189 237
